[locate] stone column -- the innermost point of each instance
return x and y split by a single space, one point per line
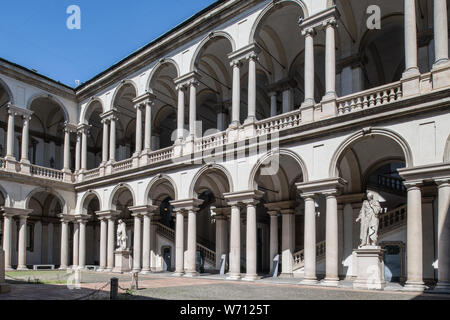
137 242
251 88
273 104
444 236
112 139
273 237
78 153
138 129
76 245
236 102
179 244
287 243
309 67
111 244
310 241
146 243
10 136
192 108
410 38
64 244
440 32
221 236
251 251
22 259
148 126
180 118
414 243
287 100
105 141
192 243
153 247
82 248
103 243
330 60
235 243
332 240
84 133
7 239
66 166
26 139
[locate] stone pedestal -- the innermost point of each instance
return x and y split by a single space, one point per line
4 288
369 268
122 261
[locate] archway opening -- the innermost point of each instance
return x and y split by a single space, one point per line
90 207
126 125
95 137
43 230
164 111
46 138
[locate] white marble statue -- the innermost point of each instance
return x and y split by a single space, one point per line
369 217
122 236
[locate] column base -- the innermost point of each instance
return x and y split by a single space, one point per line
235 276
414 286
307 111
178 274
309 281
441 74
191 274
63 268
330 282
136 270
108 270
251 277
145 271
286 275
411 82
9 268
100 270
22 268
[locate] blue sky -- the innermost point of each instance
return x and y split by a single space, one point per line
33 33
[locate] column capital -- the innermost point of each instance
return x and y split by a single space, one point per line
221 212
110 115
146 210
17 111
15 212
278 206
83 128
82 218
309 32
186 205
187 80
144 99
413 184
107 214
69 128
332 22
287 212
65 218
328 187
442 182
249 52
273 213
319 20
243 197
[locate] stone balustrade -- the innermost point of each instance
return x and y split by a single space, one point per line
278 123
375 97
47 173
392 219
211 141
299 257
161 155
2 163
92 174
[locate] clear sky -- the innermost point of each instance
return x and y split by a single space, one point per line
34 33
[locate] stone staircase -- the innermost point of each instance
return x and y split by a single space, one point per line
169 234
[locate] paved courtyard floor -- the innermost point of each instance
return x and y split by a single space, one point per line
59 285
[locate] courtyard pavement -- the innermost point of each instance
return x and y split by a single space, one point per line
53 285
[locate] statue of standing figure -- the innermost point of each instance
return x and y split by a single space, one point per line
122 235
369 217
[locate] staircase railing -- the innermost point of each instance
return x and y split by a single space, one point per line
299 257
169 233
392 219
388 221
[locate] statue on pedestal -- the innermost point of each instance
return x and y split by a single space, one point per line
369 217
122 236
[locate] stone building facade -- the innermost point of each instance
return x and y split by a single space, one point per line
252 130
